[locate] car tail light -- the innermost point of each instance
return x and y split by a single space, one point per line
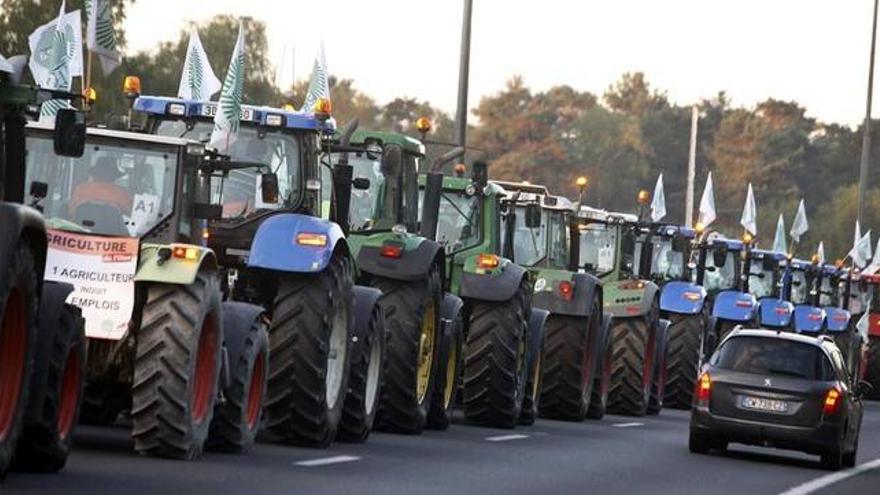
394 251
566 290
703 389
632 285
832 401
488 261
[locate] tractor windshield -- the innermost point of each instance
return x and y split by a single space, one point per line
239 192
459 223
598 247
762 283
368 206
828 291
122 188
529 244
799 287
723 277
666 263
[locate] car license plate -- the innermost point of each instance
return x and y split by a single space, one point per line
767 405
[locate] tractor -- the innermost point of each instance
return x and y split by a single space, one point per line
768 276
396 253
719 272
608 249
575 364
125 230
503 333
803 290
42 338
325 333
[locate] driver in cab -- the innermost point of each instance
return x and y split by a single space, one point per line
101 188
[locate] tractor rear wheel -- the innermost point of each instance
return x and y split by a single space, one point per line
237 419
495 360
569 366
176 368
412 317
309 341
365 382
48 435
872 367
632 370
446 381
685 332
18 330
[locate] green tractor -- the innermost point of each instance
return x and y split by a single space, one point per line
575 365
609 249
126 230
42 339
424 323
503 333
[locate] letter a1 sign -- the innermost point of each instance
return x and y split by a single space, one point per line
101 270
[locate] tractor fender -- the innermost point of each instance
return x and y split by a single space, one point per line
535 339
836 319
451 306
621 308
585 288
497 286
683 298
178 271
22 222
775 313
808 319
734 306
412 264
275 245
365 300
52 298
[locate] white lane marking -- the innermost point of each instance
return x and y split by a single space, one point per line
829 479
505 438
627 425
323 461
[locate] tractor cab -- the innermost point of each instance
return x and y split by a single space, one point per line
719 264
664 253
765 275
608 243
804 282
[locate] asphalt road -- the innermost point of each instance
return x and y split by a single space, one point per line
615 455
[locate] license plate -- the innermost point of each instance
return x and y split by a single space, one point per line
767 405
210 110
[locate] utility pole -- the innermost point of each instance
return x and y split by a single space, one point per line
463 71
692 167
866 136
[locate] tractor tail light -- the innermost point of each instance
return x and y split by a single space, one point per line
692 296
310 239
566 290
488 261
394 251
185 253
632 285
832 401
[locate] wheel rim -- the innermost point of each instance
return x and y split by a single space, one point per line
13 347
69 393
206 365
451 372
374 369
255 392
426 351
336 357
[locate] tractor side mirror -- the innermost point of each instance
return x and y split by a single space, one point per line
39 190
768 263
70 133
269 188
719 255
679 243
207 211
533 216
360 183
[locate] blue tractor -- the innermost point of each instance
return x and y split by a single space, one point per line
719 272
284 252
803 280
768 280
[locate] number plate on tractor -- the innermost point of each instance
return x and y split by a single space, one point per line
766 405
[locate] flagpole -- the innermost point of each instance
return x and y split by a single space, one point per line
88 71
866 136
692 166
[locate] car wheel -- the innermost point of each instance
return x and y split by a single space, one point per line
849 459
698 444
832 459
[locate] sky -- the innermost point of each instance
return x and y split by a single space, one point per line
814 52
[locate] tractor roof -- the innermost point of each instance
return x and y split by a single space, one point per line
250 115
126 135
799 264
601 215
451 183
732 244
408 143
669 230
530 193
761 253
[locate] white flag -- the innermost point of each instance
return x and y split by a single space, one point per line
319 85
197 82
820 252
862 326
779 243
749 219
707 204
800 226
874 267
228 117
5 66
101 38
861 250
56 57
658 202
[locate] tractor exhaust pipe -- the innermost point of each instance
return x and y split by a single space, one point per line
431 205
445 158
342 176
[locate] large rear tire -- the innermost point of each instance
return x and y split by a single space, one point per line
18 330
633 366
602 385
495 360
658 382
365 382
685 332
309 355
176 368
48 430
448 371
412 318
872 367
568 375
237 419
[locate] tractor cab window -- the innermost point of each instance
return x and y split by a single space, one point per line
598 246
368 206
558 236
239 192
799 287
720 277
529 244
761 281
827 291
122 188
666 263
459 222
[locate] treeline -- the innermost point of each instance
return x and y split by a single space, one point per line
620 140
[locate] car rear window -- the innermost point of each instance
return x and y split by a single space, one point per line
772 356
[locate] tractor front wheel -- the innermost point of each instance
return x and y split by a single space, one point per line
364 385
634 341
685 333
